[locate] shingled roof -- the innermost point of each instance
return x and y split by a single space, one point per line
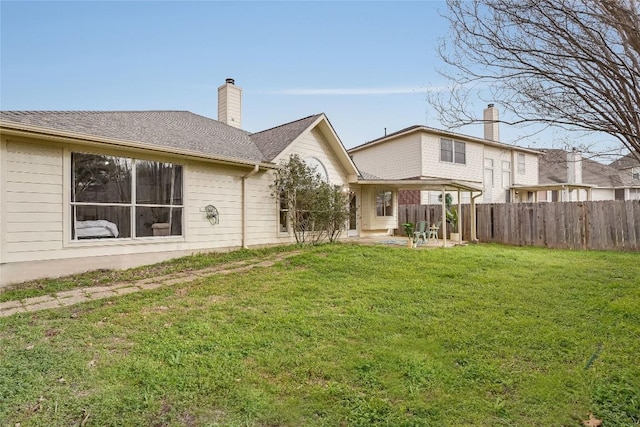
625 162
179 130
552 169
272 141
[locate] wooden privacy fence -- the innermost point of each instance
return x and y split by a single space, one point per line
603 225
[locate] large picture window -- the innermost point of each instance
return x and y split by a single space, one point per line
453 151
117 197
384 203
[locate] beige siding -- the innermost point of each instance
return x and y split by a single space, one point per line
33 198
371 222
398 159
432 166
314 144
262 212
219 186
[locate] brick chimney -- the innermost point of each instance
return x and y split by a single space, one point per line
574 167
491 124
230 104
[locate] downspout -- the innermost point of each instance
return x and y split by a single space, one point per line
474 220
245 208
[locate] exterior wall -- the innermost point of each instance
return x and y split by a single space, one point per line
314 144
371 223
432 166
398 159
35 221
530 177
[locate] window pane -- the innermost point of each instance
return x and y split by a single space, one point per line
101 179
99 222
461 156
446 150
158 221
158 183
384 201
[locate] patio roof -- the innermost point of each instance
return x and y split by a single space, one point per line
425 184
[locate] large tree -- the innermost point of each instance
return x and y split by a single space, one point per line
568 63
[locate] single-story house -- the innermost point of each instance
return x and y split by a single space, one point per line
82 190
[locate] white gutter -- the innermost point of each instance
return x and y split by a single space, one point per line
474 222
245 210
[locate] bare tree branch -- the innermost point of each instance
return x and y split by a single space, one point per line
569 63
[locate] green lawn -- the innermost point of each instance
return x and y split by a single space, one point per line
344 335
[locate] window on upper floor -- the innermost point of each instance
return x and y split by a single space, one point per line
118 197
453 151
635 173
384 203
506 174
521 163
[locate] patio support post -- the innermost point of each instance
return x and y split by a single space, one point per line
459 218
444 218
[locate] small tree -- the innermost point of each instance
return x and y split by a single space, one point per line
316 209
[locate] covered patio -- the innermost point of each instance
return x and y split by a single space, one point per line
442 186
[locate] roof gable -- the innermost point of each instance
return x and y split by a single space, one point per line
272 142
440 132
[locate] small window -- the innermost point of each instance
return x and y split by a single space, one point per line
506 174
635 173
384 203
521 163
460 152
446 150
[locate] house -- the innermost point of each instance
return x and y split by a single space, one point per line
629 168
567 176
421 153
83 190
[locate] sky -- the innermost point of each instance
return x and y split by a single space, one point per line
367 65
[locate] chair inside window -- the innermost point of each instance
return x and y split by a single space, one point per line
420 232
433 231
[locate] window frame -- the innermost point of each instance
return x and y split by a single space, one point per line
71 206
522 163
635 173
453 151
386 209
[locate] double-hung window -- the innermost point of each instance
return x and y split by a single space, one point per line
119 197
635 173
453 151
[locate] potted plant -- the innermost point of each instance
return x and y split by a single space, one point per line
409 229
452 219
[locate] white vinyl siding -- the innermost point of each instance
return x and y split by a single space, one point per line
397 159
33 197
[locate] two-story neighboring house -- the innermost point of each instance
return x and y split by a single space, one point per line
425 153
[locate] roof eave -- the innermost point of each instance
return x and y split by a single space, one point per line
453 135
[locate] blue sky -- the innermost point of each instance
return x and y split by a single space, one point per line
367 65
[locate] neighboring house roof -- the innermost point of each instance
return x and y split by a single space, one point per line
272 142
625 162
552 169
440 132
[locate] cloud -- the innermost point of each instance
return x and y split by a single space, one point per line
357 91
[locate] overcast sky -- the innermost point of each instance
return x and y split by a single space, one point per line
366 65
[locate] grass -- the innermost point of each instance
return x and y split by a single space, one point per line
344 335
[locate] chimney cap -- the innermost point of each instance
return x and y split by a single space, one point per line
230 81
490 105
